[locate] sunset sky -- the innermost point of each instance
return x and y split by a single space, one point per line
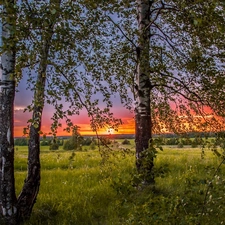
24 97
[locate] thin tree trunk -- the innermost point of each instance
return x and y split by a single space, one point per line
8 201
28 195
143 123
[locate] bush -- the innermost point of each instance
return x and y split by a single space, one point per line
75 142
44 143
69 145
126 142
21 142
105 141
87 141
172 141
93 145
54 146
180 145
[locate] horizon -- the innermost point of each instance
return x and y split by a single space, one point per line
94 135
23 98
85 130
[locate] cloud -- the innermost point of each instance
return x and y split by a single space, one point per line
24 97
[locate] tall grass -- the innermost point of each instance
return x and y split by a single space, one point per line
83 189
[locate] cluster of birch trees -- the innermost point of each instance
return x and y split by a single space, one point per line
165 58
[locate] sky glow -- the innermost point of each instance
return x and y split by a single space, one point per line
82 121
24 97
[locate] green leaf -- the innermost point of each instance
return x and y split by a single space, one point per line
195 22
53 11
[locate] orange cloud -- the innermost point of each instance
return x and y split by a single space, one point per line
127 127
82 120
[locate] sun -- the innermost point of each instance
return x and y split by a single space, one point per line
110 130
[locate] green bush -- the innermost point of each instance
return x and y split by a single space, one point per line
87 141
93 145
54 146
68 145
75 142
21 142
45 143
172 141
105 141
72 145
180 145
126 142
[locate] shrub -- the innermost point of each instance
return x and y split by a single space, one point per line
93 145
87 141
180 145
54 146
126 142
21 141
171 141
105 141
75 142
69 145
44 143
72 145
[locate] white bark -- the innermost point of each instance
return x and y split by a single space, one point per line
143 123
142 81
8 210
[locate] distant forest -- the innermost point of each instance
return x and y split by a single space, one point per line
193 138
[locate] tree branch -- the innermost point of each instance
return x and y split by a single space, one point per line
200 110
168 41
131 41
186 88
170 7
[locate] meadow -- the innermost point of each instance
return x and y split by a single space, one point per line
89 188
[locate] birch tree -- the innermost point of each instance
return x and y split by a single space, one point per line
142 90
8 201
30 190
43 49
13 210
167 54
53 36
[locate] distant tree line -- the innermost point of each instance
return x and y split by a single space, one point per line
76 141
72 143
180 142
192 139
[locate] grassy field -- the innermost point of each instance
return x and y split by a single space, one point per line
87 189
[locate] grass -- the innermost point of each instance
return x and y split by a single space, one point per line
85 189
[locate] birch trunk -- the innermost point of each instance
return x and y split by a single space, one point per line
8 201
28 195
143 123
